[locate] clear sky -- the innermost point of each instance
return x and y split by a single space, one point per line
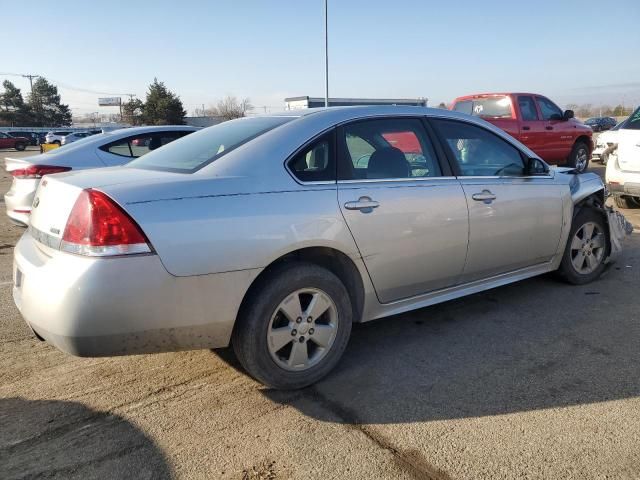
573 51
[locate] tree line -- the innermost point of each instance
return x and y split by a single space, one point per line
43 107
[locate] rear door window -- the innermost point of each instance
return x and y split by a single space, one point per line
387 149
527 107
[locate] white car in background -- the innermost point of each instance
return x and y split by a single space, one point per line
605 140
103 150
56 136
74 136
623 167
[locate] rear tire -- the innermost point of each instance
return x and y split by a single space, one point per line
579 157
273 338
20 147
587 248
57 142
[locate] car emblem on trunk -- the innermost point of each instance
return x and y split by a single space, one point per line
36 202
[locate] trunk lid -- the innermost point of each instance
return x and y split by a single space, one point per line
57 194
629 150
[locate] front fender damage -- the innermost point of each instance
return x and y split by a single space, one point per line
588 191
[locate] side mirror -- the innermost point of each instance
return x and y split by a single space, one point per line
535 166
568 114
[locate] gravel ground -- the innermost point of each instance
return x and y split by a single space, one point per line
534 380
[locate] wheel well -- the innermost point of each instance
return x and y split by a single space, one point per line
333 260
585 139
596 201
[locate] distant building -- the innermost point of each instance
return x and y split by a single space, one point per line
294 103
202 121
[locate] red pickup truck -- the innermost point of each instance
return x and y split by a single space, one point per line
19 143
536 121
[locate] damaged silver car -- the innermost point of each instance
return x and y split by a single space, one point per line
275 233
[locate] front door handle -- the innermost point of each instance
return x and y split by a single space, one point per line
526 127
485 196
549 127
364 204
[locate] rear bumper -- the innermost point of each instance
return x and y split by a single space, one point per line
622 182
125 305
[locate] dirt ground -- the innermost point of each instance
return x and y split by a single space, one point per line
534 380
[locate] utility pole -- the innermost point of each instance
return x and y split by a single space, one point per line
326 54
31 77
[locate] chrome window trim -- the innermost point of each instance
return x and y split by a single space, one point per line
403 180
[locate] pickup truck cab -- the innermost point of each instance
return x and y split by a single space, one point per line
556 136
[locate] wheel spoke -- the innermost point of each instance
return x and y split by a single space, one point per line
598 240
592 262
578 260
299 355
279 337
587 231
291 307
322 335
576 244
318 305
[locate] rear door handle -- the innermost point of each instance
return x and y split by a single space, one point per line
364 204
526 127
549 127
485 196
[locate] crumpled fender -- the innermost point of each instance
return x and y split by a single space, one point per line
583 185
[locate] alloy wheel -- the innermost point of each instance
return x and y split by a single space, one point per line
587 248
302 329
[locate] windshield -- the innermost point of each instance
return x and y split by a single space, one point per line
194 151
633 122
78 143
495 107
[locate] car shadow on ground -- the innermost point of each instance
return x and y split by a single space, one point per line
41 438
532 345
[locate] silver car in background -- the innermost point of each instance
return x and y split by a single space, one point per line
94 151
276 233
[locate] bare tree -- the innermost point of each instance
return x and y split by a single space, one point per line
230 107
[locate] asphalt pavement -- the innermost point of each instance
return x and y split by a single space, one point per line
537 379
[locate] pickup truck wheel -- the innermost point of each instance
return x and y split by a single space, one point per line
20 147
294 327
587 248
579 157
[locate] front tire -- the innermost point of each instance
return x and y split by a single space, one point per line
579 157
294 326
20 147
587 248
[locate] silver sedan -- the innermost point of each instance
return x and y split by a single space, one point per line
276 233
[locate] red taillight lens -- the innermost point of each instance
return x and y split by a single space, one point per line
98 226
37 171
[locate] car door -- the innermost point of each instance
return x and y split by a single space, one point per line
532 127
515 220
407 213
5 141
559 133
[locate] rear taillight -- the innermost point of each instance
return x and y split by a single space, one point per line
99 227
37 171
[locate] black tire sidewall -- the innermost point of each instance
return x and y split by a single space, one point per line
566 266
249 339
20 147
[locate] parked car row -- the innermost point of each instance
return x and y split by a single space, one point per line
601 124
276 233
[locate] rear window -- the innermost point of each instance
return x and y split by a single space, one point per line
194 151
494 107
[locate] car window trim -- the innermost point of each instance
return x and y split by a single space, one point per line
453 160
342 150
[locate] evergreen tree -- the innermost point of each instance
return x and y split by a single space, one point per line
13 109
162 107
46 106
